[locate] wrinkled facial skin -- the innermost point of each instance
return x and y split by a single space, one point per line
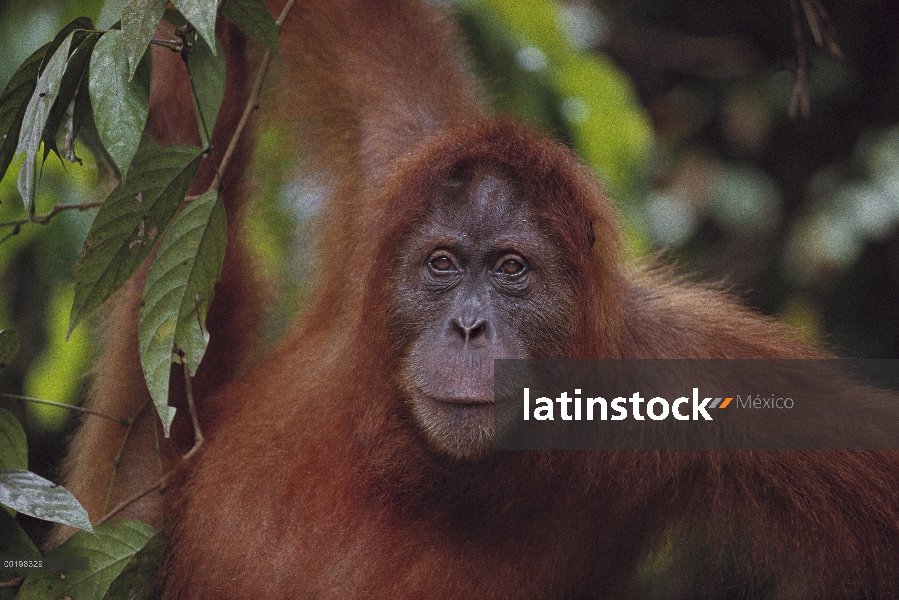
477 280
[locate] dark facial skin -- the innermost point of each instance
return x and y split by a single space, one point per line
477 280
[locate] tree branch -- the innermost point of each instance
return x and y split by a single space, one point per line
825 36
45 218
252 104
799 102
12 583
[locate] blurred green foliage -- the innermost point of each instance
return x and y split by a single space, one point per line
593 97
36 289
37 263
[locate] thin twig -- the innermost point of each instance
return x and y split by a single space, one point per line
811 17
158 486
15 231
12 583
252 104
206 136
44 218
118 457
799 102
189 392
122 422
825 36
828 31
157 444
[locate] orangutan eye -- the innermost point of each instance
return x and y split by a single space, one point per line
512 266
441 263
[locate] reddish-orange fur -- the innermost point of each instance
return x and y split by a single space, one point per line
314 482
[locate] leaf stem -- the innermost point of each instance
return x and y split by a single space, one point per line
173 45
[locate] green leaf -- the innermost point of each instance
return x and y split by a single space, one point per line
14 542
14 102
121 103
130 221
72 79
9 346
35 119
207 71
139 581
109 552
140 18
33 495
174 18
255 19
177 294
201 14
67 131
85 130
13 445
80 24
